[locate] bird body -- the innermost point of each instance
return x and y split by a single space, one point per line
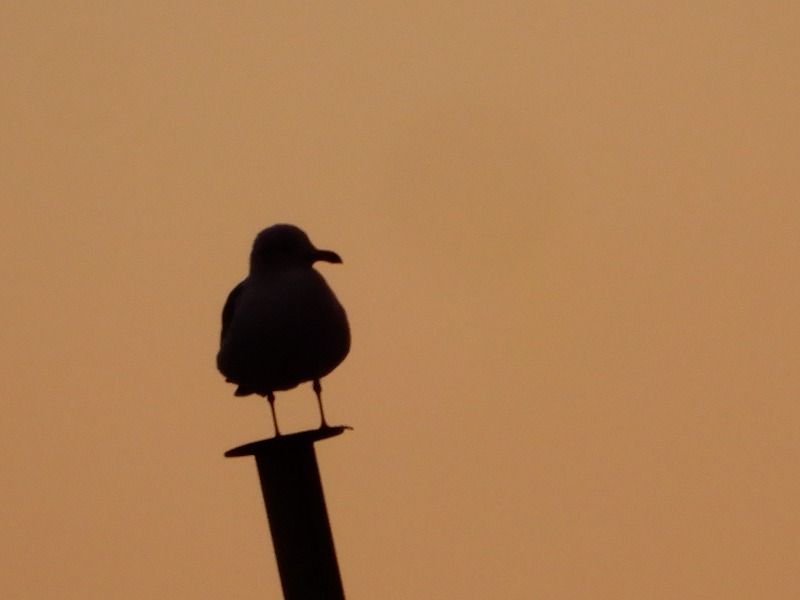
282 325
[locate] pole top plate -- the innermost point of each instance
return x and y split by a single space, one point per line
286 441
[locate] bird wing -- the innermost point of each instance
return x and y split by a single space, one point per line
230 308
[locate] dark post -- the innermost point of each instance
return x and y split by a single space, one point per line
298 519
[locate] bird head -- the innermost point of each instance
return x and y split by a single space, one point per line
286 246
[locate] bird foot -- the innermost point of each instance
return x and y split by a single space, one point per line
326 427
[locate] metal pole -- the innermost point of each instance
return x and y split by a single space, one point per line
298 519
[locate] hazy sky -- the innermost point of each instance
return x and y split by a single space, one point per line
570 243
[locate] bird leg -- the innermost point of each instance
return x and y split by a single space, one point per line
271 399
318 392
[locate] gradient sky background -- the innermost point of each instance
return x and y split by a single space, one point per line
570 242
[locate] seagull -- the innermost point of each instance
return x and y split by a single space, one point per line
282 325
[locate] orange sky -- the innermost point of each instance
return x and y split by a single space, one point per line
570 242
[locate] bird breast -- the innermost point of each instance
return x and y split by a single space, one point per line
291 326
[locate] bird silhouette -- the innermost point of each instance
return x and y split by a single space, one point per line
282 325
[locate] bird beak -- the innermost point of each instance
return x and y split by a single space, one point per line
327 256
